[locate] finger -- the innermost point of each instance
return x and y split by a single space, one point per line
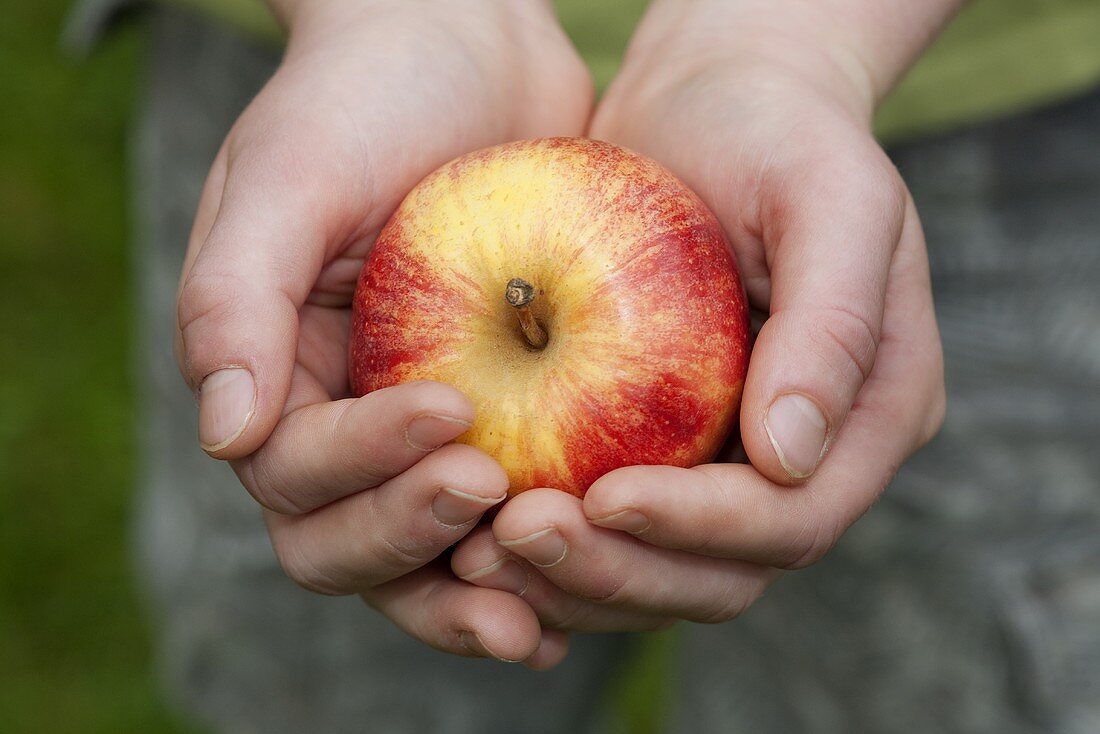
246 276
730 511
548 529
323 352
325 451
480 560
455 617
831 229
210 200
719 510
377 535
553 649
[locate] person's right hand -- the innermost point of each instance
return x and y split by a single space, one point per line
358 496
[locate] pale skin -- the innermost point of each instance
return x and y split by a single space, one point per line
764 112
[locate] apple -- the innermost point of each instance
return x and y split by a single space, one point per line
579 294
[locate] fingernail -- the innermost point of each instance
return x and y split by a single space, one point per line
545 548
796 429
227 399
454 507
505 575
629 521
429 432
473 643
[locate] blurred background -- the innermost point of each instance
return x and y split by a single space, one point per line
74 644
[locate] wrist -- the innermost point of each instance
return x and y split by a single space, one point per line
314 23
292 13
853 51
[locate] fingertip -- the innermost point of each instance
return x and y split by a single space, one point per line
471 470
797 429
552 651
454 509
785 427
239 407
227 404
476 555
236 350
501 626
625 499
437 398
533 511
787 437
612 493
435 413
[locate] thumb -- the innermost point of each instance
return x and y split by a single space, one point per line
255 253
834 232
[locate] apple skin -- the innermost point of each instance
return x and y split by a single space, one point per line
636 287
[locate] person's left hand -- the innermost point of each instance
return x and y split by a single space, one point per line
774 136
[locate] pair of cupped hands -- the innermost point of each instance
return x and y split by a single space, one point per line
365 495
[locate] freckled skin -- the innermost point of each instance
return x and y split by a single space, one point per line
635 285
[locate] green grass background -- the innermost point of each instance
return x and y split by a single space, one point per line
74 647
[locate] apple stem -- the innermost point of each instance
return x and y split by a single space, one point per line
519 293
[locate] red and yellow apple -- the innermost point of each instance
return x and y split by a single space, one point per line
579 294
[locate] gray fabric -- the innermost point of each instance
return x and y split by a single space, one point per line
967 601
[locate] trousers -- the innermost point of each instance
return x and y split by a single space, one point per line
967 600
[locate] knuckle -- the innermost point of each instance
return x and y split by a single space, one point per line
706 537
851 337
370 471
387 547
257 477
206 304
605 588
368 468
937 414
814 544
873 181
884 189
396 557
304 571
563 612
204 295
720 518
869 181
475 467
732 603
